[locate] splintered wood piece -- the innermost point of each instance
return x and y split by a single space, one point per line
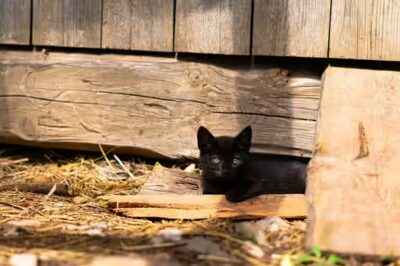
353 179
163 180
174 206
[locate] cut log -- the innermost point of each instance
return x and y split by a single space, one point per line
353 180
207 206
152 106
163 180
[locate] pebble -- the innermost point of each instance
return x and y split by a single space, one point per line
252 232
205 246
24 259
253 250
272 224
167 235
255 231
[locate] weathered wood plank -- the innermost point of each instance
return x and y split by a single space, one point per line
291 27
72 23
152 105
174 206
15 21
164 180
365 29
213 26
138 25
353 183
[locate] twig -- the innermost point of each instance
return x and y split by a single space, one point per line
10 162
51 192
105 156
251 261
124 167
218 259
221 235
13 205
153 246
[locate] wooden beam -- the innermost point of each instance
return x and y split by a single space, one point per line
353 178
207 206
71 23
291 28
365 29
15 21
138 25
213 26
153 106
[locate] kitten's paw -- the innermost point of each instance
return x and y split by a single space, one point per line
234 196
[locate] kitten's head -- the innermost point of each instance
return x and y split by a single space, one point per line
222 157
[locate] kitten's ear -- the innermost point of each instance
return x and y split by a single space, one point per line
243 139
205 139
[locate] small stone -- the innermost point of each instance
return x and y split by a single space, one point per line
251 231
95 229
95 232
80 200
167 235
272 224
253 250
11 231
205 246
24 259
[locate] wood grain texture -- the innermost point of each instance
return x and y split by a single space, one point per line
15 21
213 26
153 105
353 183
164 180
291 27
365 29
174 206
71 23
138 25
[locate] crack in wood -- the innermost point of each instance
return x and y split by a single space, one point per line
363 143
261 114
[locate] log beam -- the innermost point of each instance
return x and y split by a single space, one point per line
152 106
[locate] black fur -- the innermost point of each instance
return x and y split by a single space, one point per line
229 168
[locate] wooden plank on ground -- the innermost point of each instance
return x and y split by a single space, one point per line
164 180
174 206
353 179
213 26
138 25
153 106
71 23
15 21
291 27
365 29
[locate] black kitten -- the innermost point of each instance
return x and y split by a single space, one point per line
229 168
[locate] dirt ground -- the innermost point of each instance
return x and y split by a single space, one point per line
78 230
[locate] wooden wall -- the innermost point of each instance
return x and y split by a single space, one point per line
15 21
355 29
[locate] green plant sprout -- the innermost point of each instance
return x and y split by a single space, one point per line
316 256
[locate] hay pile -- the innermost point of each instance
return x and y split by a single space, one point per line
76 230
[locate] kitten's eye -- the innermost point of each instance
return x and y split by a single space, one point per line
236 161
215 160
